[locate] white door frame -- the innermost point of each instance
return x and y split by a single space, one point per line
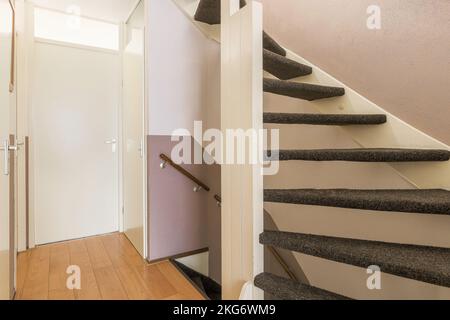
26 36
145 126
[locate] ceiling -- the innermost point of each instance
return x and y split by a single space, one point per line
109 10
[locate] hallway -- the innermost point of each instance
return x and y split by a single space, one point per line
111 269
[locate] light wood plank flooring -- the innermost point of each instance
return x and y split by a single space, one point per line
111 269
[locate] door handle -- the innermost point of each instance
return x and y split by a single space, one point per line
6 149
141 149
112 141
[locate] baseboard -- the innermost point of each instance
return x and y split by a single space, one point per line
178 256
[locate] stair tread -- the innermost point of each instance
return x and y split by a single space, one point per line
271 45
325 119
433 201
286 289
422 263
208 11
284 68
304 91
364 155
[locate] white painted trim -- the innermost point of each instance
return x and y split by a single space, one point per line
120 128
29 77
144 133
76 46
22 119
63 12
146 129
242 185
189 7
146 120
136 4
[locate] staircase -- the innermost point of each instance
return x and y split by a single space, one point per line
421 263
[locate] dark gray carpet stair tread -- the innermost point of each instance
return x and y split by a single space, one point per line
422 263
364 155
325 119
434 201
303 91
286 289
208 11
271 45
284 68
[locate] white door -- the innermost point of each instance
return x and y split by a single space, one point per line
6 128
133 130
73 140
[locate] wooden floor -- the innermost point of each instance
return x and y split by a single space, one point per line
111 269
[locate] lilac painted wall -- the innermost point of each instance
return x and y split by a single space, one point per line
177 215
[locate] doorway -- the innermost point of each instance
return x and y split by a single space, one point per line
87 139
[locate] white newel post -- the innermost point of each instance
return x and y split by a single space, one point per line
242 184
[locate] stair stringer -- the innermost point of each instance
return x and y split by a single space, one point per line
394 134
189 7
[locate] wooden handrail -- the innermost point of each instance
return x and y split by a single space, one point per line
283 263
181 170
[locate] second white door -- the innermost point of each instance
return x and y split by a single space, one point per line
133 131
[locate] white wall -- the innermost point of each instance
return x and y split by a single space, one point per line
179 58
